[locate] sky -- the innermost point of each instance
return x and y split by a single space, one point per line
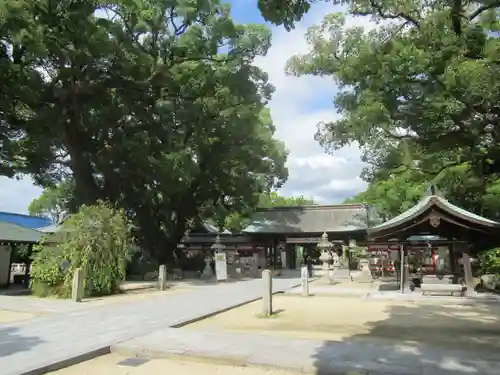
297 106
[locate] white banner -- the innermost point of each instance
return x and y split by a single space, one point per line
220 266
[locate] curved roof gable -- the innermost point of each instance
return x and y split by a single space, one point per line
443 204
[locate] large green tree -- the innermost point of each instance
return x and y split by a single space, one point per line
427 76
154 105
418 92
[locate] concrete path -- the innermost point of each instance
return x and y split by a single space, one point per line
395 295
307 356
28 346
29 304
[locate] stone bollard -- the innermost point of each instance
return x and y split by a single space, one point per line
162 277
77 286
267 296
304 277
331 275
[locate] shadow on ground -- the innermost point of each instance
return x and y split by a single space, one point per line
11 342
438 339
15 290
388 287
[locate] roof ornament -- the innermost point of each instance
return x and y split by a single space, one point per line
63 215
434 220
432 190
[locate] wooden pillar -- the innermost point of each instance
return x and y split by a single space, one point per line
453 259
275 252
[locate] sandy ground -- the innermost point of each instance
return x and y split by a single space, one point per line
343 318
12 316
107 365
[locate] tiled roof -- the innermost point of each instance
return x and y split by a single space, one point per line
311 219
425 204
26 221
49 228
15 233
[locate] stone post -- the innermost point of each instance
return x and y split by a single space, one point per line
162 277
469 280
267 296
304 274
77 286
334 269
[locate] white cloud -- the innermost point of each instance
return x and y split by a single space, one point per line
298 105
16 195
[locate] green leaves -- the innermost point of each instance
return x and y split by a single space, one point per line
284 12
237 220
96 239
154 105
54 201
418 91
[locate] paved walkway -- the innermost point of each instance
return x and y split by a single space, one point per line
395 295
29 345
308 356
34 305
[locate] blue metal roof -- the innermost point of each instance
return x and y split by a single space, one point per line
26 221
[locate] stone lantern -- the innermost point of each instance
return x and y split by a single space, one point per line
208 273
325 246
217 247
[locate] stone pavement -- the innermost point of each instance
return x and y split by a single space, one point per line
417 296
30 345
307 356
394 295
28 304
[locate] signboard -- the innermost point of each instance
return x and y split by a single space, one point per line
220 266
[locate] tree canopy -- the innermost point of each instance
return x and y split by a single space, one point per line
418 92
54 201
236 221
153 105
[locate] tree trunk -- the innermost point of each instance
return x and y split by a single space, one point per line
87 190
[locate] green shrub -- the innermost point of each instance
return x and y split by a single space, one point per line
96 239
489 261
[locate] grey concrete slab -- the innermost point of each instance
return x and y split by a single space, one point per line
28 304
485 298
30 345
309 356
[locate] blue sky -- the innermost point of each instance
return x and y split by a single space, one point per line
297 106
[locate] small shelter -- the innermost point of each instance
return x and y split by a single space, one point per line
10 236
439 236
290 232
